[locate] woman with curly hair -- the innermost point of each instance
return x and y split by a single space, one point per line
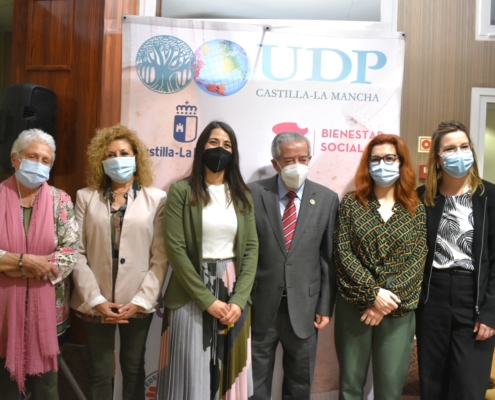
121 261
380 253
456 312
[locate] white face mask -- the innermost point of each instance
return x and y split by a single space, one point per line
294 175
120 169
32 174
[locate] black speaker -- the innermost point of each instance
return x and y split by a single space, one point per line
24 106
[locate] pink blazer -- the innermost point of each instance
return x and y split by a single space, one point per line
142 261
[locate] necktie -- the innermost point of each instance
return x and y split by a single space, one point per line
289 220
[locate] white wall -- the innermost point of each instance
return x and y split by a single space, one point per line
336 10
489 156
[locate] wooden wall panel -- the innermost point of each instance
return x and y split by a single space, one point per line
112 52
88 87
74 48
49 44
443 62
6 57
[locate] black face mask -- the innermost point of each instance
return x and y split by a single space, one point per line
217 158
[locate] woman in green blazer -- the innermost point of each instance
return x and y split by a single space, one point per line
212 247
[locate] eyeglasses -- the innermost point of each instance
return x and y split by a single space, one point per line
388 159
451 150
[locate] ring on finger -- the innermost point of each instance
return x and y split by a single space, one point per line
45 277
491 332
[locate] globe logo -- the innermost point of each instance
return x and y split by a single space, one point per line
163 63
221 67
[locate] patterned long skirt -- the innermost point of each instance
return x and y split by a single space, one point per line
200 358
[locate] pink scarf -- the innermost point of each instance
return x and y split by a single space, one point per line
28 333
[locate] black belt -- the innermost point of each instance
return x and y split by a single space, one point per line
454 271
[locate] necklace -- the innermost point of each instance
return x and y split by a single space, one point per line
33 198
115 193
123 191
113 196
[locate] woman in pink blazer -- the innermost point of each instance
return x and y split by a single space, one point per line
121 261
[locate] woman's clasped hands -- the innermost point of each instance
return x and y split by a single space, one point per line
117 313
385 303
227 313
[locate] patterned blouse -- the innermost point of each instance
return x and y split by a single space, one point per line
454 244
371 254
66 242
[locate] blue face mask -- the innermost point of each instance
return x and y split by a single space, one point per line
32 174
459 163
120 169
383 174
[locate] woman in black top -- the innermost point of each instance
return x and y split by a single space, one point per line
456 314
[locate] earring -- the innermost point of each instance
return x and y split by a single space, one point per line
438 166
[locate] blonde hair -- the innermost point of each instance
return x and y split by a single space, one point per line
97 151
435 174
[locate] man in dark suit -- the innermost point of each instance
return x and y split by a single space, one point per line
294 290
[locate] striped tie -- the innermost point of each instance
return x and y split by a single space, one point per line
289 220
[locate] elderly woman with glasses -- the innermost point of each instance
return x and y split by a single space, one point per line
38 243
380 253
456 312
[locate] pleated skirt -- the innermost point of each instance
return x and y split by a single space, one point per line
201 359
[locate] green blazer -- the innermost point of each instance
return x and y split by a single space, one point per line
183 230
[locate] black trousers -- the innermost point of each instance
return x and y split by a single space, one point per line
42 387
453 365
101 344
298 359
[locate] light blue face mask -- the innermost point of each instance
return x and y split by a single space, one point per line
384 174
459 163
32 174
120 169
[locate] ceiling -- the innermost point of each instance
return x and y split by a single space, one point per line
6 15
334 10
343 10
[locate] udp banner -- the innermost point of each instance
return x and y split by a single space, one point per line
340 89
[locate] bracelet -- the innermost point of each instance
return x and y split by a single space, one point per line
23 271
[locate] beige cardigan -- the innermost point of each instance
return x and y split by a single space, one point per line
142 261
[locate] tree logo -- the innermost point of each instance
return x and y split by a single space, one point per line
163 63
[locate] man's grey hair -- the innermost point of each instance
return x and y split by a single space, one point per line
288 137
33 135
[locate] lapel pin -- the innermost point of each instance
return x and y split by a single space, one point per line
312 201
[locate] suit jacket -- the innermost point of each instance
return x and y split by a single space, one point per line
483 249
183 231
306 270
142 264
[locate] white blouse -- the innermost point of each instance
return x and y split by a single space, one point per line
219 224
